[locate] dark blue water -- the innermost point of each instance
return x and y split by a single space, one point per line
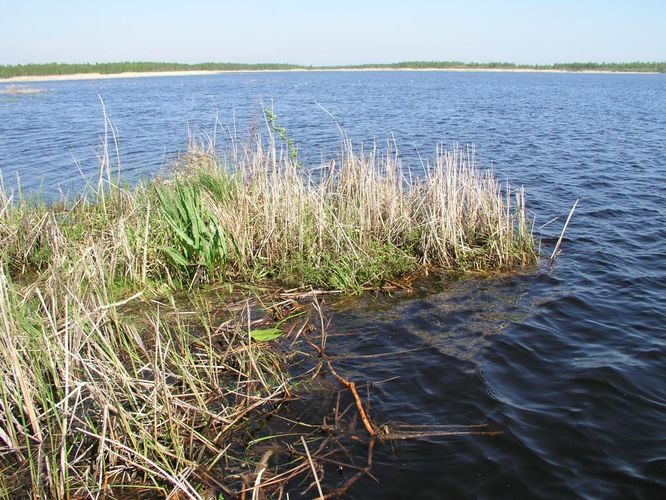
568 362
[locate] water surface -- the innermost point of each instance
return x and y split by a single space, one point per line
567 362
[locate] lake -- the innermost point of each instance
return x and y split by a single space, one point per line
567 362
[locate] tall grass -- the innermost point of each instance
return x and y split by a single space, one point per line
95 400
359 221
355 222
91 404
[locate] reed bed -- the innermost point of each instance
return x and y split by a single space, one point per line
95 405
105 387
357 221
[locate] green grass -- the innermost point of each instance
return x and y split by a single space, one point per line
106 382
199 241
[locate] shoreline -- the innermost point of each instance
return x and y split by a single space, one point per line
147 74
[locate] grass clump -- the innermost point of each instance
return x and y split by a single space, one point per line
199 241
352 223
358 222
95 400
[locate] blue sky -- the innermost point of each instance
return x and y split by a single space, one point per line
332 32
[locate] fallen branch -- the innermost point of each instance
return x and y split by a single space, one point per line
359 405
349 385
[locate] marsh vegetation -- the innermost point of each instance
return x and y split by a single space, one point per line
136 323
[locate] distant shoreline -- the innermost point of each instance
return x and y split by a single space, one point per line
145 74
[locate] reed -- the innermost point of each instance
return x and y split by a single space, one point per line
357 221
92 404
107 383
257 213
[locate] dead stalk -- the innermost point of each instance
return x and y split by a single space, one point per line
556 251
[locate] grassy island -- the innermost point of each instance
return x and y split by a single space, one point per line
59 69
124 372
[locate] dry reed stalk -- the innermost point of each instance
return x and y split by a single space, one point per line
556 250
312 467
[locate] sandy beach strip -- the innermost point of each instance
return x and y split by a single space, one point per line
103 76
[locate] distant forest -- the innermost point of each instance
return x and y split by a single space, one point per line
9 71
646 67
124 67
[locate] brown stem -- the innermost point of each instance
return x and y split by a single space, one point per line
359 405
349 385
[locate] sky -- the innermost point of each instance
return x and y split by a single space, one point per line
334 32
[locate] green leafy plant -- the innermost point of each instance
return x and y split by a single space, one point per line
281 132
198 239
264 335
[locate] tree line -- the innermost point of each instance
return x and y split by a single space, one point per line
125 67
637 66
9 71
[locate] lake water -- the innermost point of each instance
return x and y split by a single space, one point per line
568 362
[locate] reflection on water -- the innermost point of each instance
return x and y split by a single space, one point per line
455 318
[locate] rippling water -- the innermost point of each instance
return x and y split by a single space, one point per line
569 362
